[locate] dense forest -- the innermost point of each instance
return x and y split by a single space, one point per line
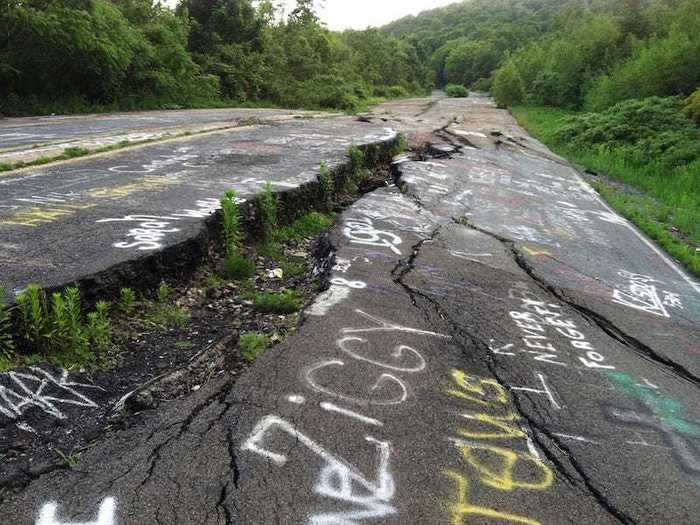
77 55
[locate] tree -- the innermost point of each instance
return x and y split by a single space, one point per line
304 13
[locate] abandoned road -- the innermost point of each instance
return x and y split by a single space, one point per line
70 220
496 345
29 138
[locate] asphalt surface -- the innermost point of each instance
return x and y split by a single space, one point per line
63 222
495 346
29 138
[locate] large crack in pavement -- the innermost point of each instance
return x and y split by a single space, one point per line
583 481
606 325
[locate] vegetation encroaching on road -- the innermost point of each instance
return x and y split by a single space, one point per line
87 55
651 147
261 271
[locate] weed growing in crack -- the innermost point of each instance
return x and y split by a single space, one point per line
164 292
232 224
56 330
7 343
33 317
401 144
253 345
184 345
305 227
285 302
165 315
267 208
326 184
72 153
99 327
357 158
71 460
238 268
127 301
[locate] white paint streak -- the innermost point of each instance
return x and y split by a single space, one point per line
383 325
105 516
383 379
330 407
398 353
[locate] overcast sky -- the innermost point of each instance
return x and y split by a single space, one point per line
358 14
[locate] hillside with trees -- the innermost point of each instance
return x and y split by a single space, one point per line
85 55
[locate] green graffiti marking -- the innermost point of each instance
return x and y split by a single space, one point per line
669 410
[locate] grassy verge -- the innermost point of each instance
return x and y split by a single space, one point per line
666 203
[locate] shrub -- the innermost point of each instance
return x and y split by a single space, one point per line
692 107
285 302
507 86
667 66
482 85
641 131
252 345
456 91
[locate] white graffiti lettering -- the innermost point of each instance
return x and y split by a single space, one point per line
338 478
44 391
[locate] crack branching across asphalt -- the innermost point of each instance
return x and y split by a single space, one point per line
460 333
607 326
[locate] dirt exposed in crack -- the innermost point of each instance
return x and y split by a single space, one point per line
200 322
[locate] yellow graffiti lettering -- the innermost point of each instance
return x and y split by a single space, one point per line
487 390
34 217
148 183
506 429
499 467
535 252
462 509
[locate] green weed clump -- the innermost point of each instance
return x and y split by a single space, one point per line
7 343
305 227
164 314
72 153
233 236
401 144
253 345
285 302
238 268
56 328
127 300
267 208
456 91
327 185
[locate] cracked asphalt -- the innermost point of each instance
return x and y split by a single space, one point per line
30 138
495 346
